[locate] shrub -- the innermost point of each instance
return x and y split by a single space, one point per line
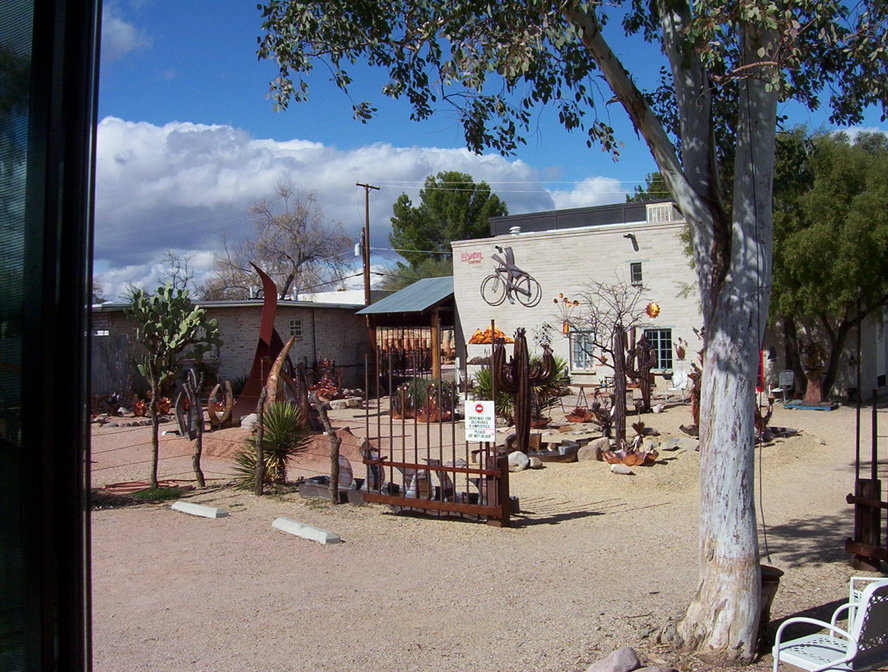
283 438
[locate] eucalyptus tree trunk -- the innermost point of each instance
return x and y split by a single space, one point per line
721 623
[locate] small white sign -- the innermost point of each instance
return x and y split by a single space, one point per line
480 421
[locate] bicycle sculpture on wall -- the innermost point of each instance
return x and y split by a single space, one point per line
509 282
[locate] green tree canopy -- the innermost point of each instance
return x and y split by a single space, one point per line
831 235
654 189
452 206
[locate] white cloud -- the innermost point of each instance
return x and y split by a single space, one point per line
119 37
589 192
182 186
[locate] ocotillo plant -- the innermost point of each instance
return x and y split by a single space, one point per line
518 378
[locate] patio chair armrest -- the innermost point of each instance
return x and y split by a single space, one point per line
835 616
812 621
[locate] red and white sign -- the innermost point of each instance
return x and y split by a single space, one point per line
471 257
480 421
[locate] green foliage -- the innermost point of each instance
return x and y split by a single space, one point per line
547 396
169 327
401 275
500 63
429 395
482 384
654 189
831 236
283 438
544 397
830 225
451 207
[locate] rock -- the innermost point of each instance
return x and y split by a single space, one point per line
534 463
650 443
594 449
621 660
112 424
677 442
122 411
347 402
518 461
249 420
659 408
621 469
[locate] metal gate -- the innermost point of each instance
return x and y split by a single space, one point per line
868 545
417 457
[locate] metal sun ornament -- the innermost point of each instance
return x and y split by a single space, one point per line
566 306
652 309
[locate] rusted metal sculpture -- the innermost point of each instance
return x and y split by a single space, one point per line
219 408
329 385
267 349
619 402
518 378
641 359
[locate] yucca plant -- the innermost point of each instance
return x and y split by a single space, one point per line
284 437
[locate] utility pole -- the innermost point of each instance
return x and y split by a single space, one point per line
366 241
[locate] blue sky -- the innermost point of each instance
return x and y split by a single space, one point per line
188 140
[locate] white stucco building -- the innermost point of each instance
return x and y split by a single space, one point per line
561 253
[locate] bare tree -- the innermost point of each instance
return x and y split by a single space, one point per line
295 246
604 309
179 271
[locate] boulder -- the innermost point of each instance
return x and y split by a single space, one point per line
249 420
677 442
621 660
347 402
621 469
534 463
518 461
594 449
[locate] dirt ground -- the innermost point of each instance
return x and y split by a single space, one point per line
595 561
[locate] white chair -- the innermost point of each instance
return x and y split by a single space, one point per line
856 586
784 384
680 384
863 646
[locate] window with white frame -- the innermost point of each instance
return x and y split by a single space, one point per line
635 276
660 341
581 350
661 213
296 329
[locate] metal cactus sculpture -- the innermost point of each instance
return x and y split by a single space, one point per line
518 378
639 362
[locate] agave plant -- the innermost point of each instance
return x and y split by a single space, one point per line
283 438
483 388
544 397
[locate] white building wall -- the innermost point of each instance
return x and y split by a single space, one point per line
566 261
